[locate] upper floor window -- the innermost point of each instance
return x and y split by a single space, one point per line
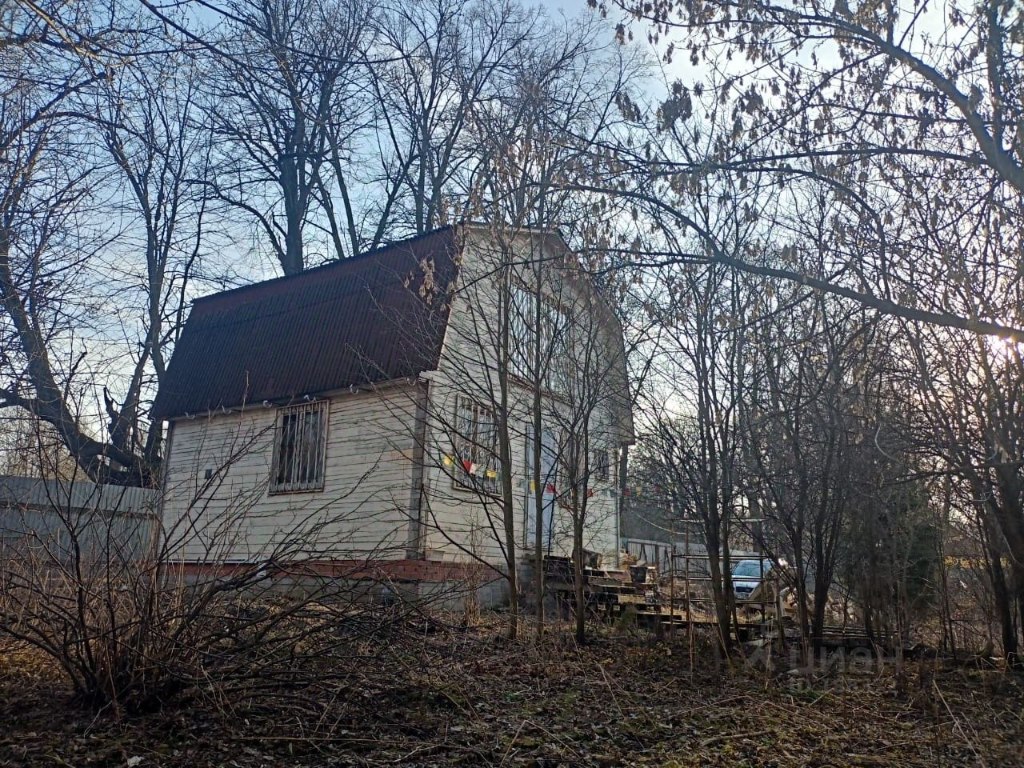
524 340
602 467
300 448
522 316
476 447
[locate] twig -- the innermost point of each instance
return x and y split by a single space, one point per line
512 743
730 736
956 722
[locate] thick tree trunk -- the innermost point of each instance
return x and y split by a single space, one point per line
1004 606
821 587
722 598
578 584
49 402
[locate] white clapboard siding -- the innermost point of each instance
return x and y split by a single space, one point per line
458 525
362 511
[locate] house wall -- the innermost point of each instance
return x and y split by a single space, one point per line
460 524
363 510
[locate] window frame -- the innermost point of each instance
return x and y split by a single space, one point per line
568 446
589 479
602 468
315 461
555 324
520 327
469 450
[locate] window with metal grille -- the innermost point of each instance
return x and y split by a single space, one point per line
300 447
476 447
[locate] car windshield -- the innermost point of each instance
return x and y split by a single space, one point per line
750 569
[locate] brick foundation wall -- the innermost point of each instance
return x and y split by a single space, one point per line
375 570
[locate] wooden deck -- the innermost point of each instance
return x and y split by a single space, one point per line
637 592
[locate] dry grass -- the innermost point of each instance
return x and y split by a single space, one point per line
443 695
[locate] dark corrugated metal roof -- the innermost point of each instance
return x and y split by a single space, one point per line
374 317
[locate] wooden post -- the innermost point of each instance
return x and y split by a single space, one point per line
672 579
686 582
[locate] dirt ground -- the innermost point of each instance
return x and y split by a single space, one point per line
455 696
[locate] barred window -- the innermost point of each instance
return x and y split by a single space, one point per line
476 447
300 448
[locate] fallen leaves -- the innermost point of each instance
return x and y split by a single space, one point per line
464 697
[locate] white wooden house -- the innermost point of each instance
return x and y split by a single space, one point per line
380 410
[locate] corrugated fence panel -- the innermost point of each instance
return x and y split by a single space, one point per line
49 518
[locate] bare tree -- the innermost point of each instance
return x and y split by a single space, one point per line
46 175
537 147
704 361
886 115
592 418
971 386
285 79
802 424
99 150
147 120
434 62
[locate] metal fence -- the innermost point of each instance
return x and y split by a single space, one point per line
56 519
